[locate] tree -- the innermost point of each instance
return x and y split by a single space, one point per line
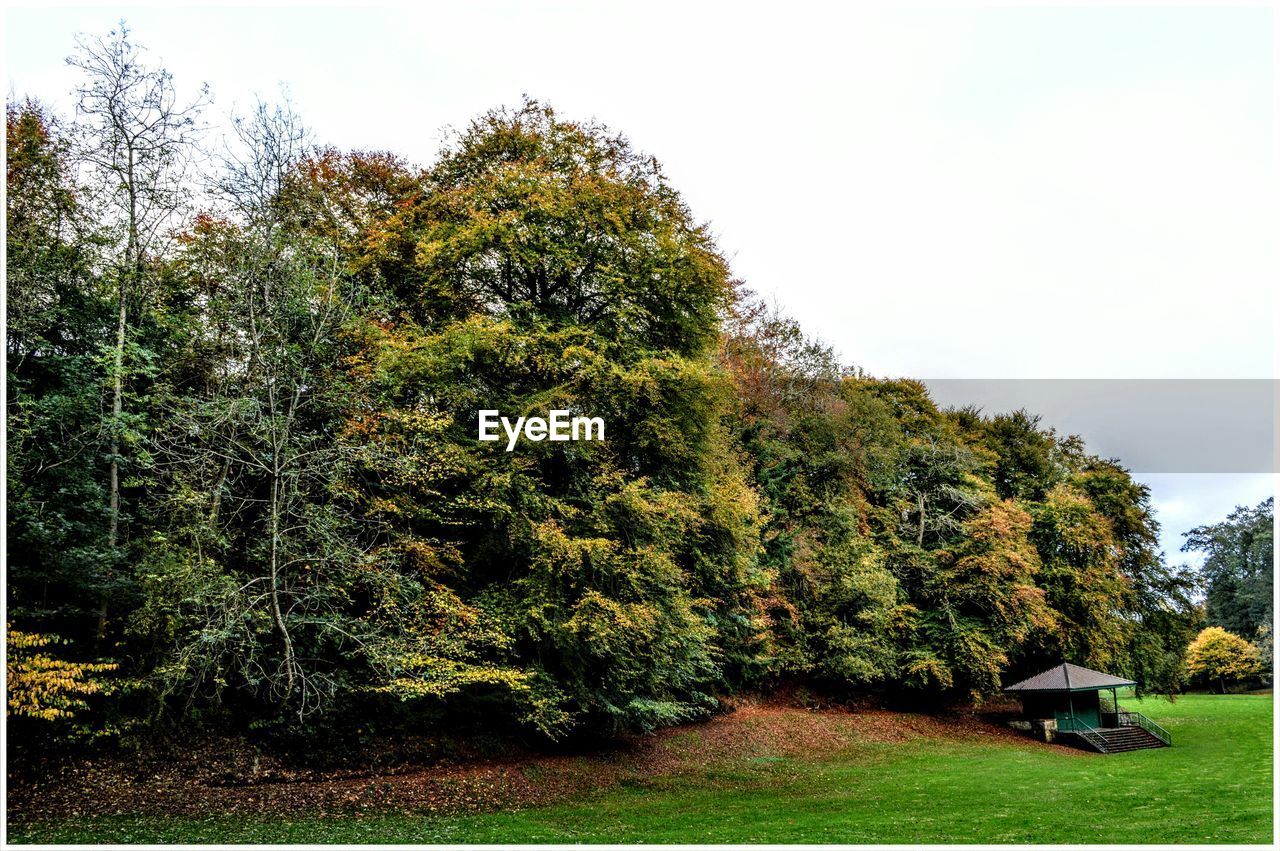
1162 614
278 439
137 138
529 213
982 602
814 443
545 263
261 547
1218 656
940 489
1026 455
59 311
1238 569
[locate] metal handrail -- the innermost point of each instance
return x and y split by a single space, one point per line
1137 719
1090 735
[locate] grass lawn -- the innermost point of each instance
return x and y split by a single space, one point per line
1213 786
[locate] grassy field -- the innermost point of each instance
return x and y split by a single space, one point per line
1213 786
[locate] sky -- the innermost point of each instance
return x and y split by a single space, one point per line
949 194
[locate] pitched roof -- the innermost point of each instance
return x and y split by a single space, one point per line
1068 677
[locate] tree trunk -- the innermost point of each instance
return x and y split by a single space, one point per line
920 531
215 496
276 613
117 410
132 270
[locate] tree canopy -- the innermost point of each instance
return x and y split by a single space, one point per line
1239 568
245 484
1217 657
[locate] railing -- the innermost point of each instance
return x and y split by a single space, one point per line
1137 719
1091 736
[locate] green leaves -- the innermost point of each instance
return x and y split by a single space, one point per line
318 531
531 215
1238 568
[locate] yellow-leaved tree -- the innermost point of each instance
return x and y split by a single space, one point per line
1218 656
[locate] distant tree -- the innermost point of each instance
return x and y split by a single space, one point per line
1221 657
1265 643
1239 568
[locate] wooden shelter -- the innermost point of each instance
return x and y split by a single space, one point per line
1068 700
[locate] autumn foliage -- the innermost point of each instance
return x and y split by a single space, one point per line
1217 657
309 531
46 687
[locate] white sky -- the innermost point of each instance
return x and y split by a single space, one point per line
1069 192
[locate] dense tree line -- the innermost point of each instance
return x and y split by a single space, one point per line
245 486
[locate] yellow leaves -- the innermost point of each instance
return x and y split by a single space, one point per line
434 676
431 558
643 513
381 506
1080 532
561 555
1218 655
995 566
999 521
608 624
429 250
1031 600
25 640
929 671
44 686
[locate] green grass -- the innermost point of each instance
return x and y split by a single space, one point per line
1213 786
